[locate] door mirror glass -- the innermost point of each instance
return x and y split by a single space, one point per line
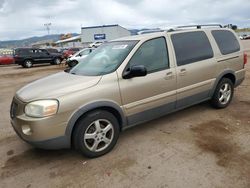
135 71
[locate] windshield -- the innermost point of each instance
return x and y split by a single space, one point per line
104 59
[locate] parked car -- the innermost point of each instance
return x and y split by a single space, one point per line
78 56
247 37
26 57
6 59
244 37
69 52
126 82
95 44
241 37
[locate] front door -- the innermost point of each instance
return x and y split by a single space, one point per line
153 95
44 56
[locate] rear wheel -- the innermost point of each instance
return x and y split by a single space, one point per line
57 61
96 134
27 63
223 93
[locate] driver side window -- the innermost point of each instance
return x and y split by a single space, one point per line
152 54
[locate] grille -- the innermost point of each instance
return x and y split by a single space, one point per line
13 109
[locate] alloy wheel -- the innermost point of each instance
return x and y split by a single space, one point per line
225 93
98 135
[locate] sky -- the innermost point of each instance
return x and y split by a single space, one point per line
26 18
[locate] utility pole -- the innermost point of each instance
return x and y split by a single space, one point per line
47 25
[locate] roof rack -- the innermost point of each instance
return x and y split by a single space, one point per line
149 31
199 26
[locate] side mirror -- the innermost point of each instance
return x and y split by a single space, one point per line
135 71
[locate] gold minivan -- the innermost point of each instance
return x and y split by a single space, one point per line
126 82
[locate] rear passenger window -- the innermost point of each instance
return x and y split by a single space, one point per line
152 54
191 47
22 51
226 41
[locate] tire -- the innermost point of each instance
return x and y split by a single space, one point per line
57 61
72 63
27 63
223 94
102 129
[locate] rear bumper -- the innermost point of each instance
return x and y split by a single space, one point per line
238 82
240 76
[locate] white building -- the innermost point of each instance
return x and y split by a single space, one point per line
102 33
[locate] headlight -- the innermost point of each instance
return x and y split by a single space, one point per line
41 108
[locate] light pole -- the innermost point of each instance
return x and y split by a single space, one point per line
47 25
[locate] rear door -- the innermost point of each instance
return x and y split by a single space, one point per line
196 67
45 56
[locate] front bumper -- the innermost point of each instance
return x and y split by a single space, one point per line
50 144
46 133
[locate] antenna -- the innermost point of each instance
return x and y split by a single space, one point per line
47 25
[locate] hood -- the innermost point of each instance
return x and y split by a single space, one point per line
56 85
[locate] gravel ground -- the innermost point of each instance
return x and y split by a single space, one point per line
195 147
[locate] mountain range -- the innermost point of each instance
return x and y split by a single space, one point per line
31 40
54 37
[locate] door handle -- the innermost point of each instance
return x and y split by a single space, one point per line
169 75
183 72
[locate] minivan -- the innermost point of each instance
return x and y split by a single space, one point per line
126 82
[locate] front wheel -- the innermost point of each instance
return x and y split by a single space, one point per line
223 94
72 63
96 133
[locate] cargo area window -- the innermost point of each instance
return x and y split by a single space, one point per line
191 47
226 41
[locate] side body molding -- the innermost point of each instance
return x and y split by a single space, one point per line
91 106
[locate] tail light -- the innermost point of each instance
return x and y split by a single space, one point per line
245 59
